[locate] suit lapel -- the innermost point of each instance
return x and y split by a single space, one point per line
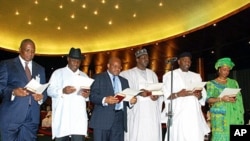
21 71
34 70
109 81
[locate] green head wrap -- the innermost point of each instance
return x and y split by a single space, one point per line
224 62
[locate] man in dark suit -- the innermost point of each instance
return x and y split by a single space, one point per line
108 120
20 109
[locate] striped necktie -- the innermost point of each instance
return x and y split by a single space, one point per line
27 71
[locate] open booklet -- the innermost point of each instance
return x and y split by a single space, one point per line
154 88
231 92
83 83
196 87
35 87
127 94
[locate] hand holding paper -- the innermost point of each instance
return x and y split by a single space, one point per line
83 84
35 87
120 97
83 89
128 93
196 87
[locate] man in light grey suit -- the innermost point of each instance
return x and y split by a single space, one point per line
20 110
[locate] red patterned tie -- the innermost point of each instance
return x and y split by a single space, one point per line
27 71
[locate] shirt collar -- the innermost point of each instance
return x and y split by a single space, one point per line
77 72
110 75
23 61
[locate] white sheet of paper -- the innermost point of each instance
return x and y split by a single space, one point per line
129 93
196 86
155 88
160 92
36 87
81 83
232 92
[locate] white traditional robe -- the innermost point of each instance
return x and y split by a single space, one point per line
69 114
188 122
144 118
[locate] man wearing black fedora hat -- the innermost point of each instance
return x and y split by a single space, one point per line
68 102
75 53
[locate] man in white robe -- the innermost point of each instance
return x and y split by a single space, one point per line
188 122
69 116
144 119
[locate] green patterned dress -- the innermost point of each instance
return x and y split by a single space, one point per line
224 114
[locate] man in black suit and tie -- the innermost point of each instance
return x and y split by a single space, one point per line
109 117
20 110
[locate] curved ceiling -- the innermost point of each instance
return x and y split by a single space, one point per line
101 25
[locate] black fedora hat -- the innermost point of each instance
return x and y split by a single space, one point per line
75 53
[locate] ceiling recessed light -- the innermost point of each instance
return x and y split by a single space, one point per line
16 13
29 22
116 6
110 22
134 15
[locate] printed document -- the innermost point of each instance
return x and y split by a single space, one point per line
35 87
196 86
82 83
129 93
231 92
155 88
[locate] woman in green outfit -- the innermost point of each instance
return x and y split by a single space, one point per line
225 111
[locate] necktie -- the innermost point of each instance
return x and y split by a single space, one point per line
27 71
28 74
116 86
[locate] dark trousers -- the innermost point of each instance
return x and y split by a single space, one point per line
71 138
25 131
116 133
